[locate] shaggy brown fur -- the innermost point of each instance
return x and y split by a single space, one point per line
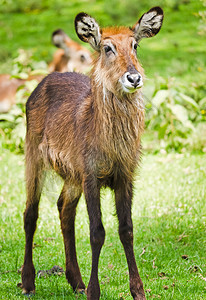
88 131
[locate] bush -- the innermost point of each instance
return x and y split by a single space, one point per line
13 124
174 116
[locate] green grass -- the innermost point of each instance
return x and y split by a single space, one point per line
169 216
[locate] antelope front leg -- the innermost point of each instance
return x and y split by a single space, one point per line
97 234
123 198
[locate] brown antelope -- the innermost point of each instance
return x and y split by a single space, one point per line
71 57
8 89
88 131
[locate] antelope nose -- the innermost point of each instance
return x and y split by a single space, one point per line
134 79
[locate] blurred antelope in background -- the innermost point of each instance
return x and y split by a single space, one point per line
88 130
71 57
9 87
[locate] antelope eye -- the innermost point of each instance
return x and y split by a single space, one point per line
107 49
82 58
135 46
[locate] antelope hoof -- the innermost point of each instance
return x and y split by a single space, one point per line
25 292
80 291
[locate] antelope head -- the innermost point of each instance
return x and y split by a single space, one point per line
78 58
117 67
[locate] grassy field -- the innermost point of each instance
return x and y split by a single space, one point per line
169 215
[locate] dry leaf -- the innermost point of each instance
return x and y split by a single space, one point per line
111 267
153 263
165 287
194 269
49 239
203 278
161 274
143 251
20 269
107 280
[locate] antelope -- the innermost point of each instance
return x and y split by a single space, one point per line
71 57
8 89
88 130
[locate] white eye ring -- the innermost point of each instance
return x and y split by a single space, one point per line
107 49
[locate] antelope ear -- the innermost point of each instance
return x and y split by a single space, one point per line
59 38
88 30
149 24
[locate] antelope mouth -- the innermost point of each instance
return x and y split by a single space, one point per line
128 89
131 82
